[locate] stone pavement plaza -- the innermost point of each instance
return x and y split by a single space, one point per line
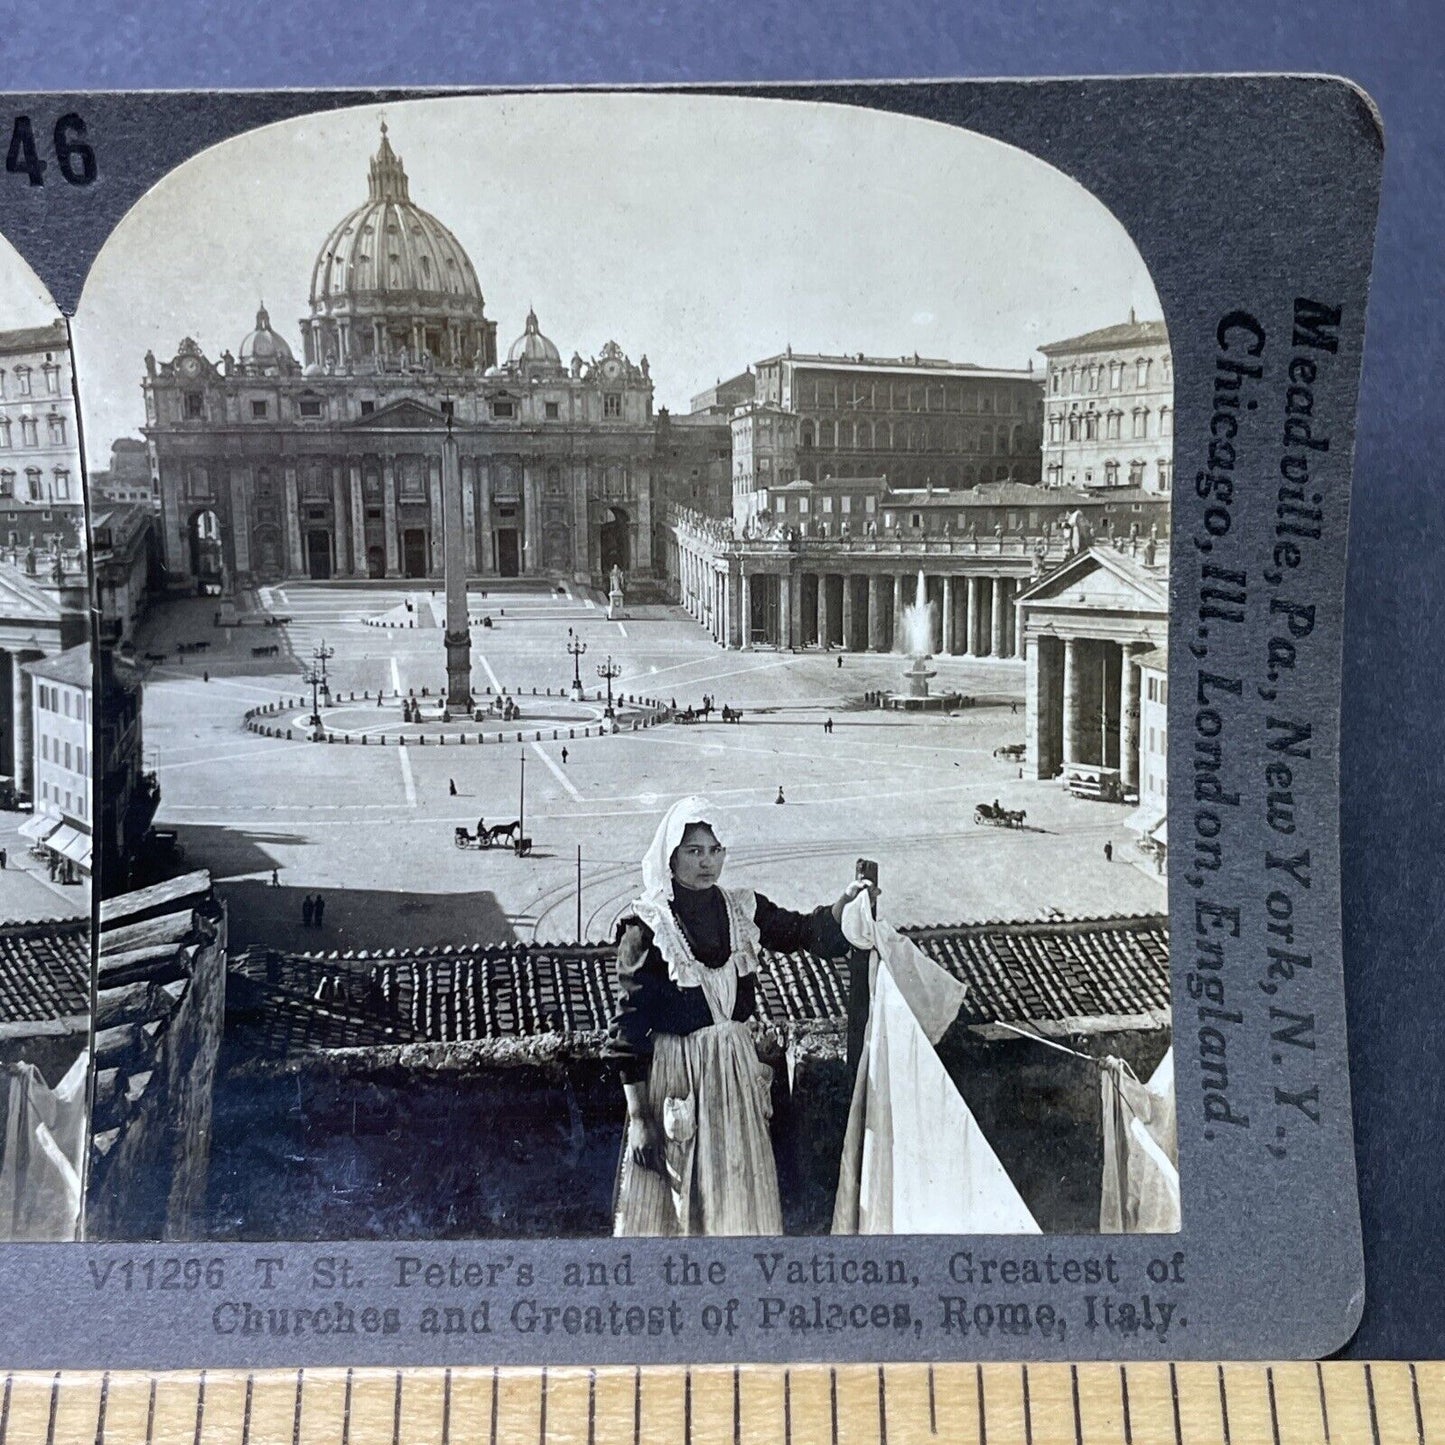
372 828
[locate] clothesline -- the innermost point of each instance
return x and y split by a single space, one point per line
1093 1059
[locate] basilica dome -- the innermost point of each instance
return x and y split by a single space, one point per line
532 351
265 350
393 284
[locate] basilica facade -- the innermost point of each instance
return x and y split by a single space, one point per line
325 460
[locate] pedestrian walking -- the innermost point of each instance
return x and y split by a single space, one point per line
564 757
780 798
481 826
4 859
308 911
451 787
1013 707
1108 852
320 910
840 659
206 675
275 878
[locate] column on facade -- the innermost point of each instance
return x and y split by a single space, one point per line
486 563
388 512
1042 680
1073 700
785 610
820 609
947 615
240 480
340 550
745 583
996 619
295 558
900 642
847 612
725 591
469 511
530 529
1129 709
1018 619
359 562
875 613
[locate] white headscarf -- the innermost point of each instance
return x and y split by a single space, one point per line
657 862
654 907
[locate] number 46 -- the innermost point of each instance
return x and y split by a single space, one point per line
75 156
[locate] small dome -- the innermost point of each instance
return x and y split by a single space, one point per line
264 348
532 348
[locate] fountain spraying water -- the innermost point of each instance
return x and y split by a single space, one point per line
918 636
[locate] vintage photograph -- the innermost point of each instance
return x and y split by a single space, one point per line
48 832
635 633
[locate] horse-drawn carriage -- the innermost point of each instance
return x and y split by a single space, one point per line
1014 752
732 714
499 835
997 816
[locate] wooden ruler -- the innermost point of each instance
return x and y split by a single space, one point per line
1179 1404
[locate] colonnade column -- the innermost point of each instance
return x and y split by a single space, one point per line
1073 700
847 612
296 565
900 642
972 629
340 525
875 614
1128 716
728 630
947 615
996 620
746 630
20 704
358 520
785 611
1019 639
820 608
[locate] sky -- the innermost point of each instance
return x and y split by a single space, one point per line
706 232
24 299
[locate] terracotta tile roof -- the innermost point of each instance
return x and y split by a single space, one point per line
1126 333
1041 973
44 971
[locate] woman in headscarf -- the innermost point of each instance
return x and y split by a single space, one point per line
698 1157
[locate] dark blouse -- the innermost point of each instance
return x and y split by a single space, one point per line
649 1002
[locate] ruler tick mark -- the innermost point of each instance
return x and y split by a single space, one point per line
882 1408
1174 1396
542 1413
1370 1396
200 1407
591 1407
295 1412
396 1413
787 1408
151 1414
932 1405
1324 1408
982 1415
833 1400
1124 1400
637 1405
346 1410
737 1406
54 1407
495 1390
447 1406
1028 1407
100 1413
1273 1406
5 1409
1223 1405
1415 1395
687 1406
1078 1417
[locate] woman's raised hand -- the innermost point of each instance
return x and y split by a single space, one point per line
644 1141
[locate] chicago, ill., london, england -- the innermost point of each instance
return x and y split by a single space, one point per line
644 625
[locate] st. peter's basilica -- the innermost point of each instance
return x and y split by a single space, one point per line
271 465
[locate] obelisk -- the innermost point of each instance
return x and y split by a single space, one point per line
454 565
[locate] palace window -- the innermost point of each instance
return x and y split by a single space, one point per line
1091 427
1074 428
62 485
1141 371
32 484
28 431
1115 426
310 406
553 410
827 504
845 504
503 409
258 410
193 406
1136 474
1056 429
368 408
1116 375
7 487
1166 475
612 404
1166 421
1056 475
22 379
52 378
1111 474
1055 383
1141 421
